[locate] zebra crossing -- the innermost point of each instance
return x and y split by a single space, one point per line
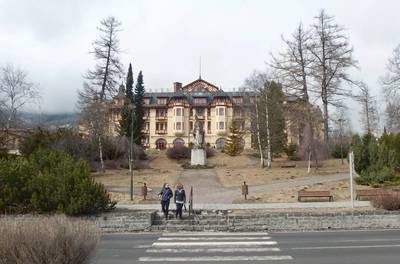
213 247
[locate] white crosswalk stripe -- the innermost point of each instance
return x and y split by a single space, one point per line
213 247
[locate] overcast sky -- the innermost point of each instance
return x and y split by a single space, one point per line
51 39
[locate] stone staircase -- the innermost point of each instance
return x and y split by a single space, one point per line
202 221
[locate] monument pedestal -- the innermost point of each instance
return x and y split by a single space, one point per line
198 157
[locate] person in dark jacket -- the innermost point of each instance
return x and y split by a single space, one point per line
179 199
166 195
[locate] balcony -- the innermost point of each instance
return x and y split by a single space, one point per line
146 117
192 117
164 131
145 131
160 117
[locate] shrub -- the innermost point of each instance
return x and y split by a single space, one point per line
210 152
340 151
47 240
389 200
376 175
49 181
178 152
291 149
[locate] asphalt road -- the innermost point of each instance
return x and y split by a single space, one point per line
367 247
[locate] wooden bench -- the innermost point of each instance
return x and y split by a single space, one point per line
288 166
315 194
368 193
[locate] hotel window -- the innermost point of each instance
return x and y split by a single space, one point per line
191 125
147 126
161 112
161 101
178 112
200 100
221 111
178 126
161 126
208 112
200 112
209 127
221 125
237 100
146 101
147 112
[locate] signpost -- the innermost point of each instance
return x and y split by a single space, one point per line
351 161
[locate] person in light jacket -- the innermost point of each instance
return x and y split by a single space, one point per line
166 195
179 199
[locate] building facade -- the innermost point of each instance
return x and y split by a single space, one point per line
169 116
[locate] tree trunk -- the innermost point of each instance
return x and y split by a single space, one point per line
259 138
269 156
101 154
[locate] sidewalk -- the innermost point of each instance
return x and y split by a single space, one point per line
344 204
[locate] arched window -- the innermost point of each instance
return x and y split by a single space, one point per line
161 144
220 143
178 142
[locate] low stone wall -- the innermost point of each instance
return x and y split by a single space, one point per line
124 221
316 221
116 221
135 221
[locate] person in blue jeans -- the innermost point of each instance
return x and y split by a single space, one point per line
179 199
166 195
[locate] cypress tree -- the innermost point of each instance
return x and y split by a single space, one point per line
276 118
233 145
139 109
129 84
125 123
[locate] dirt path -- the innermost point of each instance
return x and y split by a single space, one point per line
207 188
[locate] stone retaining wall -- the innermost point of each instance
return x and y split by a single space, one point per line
316 221
134 221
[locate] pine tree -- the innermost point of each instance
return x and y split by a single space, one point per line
139 110
234 145
125 123
129 84
276 118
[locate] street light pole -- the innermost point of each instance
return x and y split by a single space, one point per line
131 150
341 140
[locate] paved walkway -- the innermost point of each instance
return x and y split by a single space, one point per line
343 204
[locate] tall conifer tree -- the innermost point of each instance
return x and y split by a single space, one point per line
125 123
234 145
139 110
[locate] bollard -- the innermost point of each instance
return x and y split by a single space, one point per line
144 191
245 190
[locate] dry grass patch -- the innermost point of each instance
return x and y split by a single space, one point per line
339 189
47 240
246 169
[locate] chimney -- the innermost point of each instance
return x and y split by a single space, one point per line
177 87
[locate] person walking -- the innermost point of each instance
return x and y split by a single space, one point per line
179 199
166 195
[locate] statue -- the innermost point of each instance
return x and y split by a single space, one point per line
198 134
198 156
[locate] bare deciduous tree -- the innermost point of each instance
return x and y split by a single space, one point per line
101 83
103 80
369 111
333 58
391 88
255 84
391 81
293 65
15 92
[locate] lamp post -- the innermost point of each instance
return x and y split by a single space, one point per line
341 140
131 158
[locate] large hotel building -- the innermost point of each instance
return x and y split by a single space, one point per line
169 116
